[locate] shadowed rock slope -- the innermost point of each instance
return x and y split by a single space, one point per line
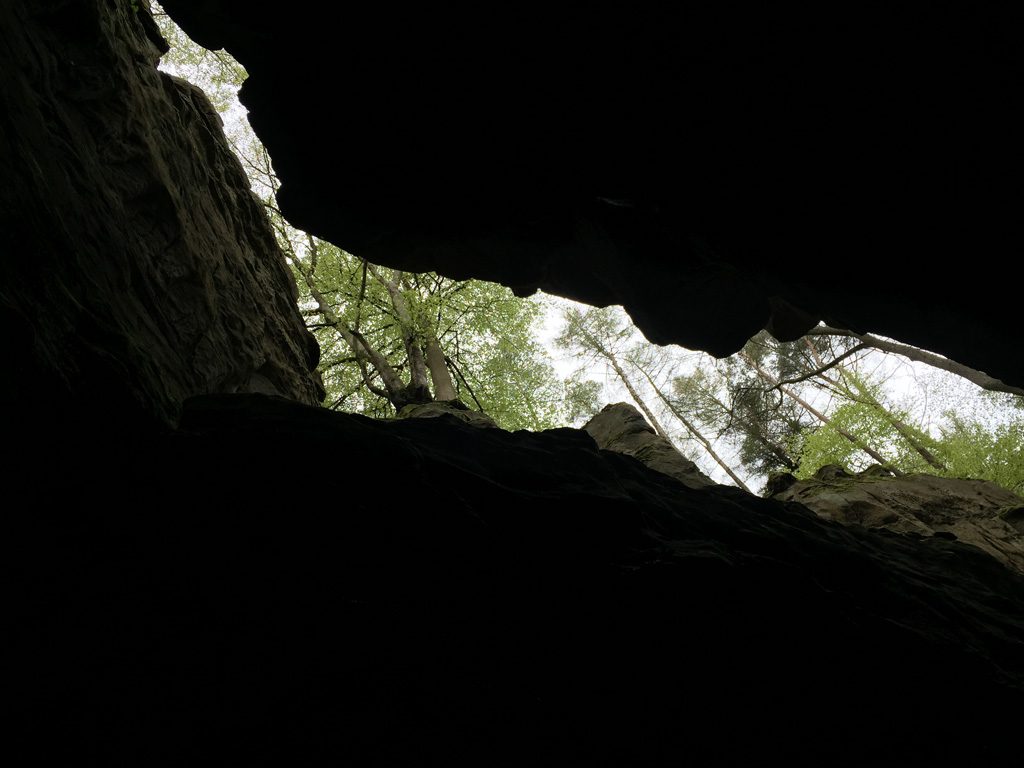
973 511
281 584
138 268
855 174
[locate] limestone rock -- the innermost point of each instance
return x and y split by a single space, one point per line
139 269
622 428
975 512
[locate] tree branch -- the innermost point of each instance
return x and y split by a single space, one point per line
469 389
818 371
979 378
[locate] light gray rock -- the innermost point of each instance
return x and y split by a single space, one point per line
622 428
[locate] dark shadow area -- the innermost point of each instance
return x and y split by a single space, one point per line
187 583
457 594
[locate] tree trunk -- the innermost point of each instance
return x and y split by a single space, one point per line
610 357
444 387
394 387
777 450
418 390
692 429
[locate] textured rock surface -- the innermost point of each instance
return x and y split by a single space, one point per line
455 410
974 511
708 195
137 266
278 584
622 428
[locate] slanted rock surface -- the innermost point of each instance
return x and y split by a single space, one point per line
282 585
975 512
138 268
622 428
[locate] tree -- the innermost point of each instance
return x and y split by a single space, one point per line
799 405
691 427
607 334
861 418
997 455
392 338
599 332
721 396
859 442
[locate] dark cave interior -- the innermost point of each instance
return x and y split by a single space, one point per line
183 589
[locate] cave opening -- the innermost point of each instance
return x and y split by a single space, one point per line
204 562
392 340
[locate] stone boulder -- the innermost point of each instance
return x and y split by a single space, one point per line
450 409
975 512
621 428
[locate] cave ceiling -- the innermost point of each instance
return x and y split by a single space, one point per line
599 159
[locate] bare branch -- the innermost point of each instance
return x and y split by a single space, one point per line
979 378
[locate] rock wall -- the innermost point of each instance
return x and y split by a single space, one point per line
975 512
138 269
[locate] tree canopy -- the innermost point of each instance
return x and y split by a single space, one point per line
828 398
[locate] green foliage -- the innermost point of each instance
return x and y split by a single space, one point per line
582 398
825 443
489 334
735 404
485 331
967 449
971 450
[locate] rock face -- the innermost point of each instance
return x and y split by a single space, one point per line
421 592
622 428
710 196
138 267
973 511
454 410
